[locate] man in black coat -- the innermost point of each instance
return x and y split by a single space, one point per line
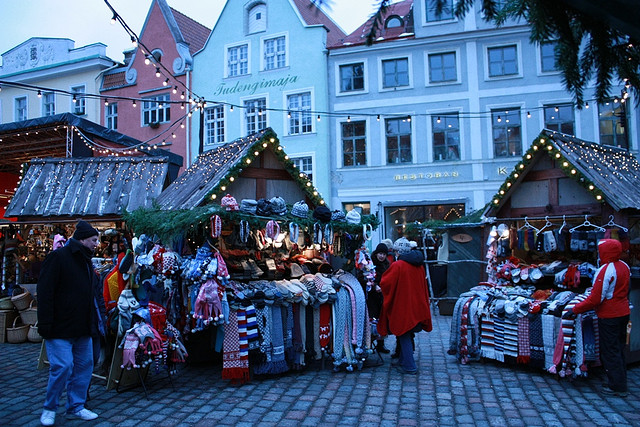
67 319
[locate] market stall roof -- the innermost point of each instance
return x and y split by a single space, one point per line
209 176
609 174
95 187
47 137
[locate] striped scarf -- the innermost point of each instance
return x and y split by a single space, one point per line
358 309
549 326
252 328
487 337
569 337
234 366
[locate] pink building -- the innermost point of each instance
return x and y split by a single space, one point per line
143 98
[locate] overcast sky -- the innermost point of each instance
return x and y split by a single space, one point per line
88 21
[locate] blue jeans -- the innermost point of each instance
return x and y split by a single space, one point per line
405 343
70 366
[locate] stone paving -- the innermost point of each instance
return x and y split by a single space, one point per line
444 393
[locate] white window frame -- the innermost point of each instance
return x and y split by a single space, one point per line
226 58
367 142
462 152
426 23
45 103
79 108
251 98
383 134
381 76
109 117
486 48
539 62
264 40
523 128
338 83
427 67
166 98
285 102
15 108
313 162
215 123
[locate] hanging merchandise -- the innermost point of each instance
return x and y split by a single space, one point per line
272 229
244 231
294 232
229 203
216 226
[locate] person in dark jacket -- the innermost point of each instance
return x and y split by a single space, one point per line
67 319
374 298
609 298
405 306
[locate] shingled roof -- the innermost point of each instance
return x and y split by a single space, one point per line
194 33
313 15
403 10
610 174
88 187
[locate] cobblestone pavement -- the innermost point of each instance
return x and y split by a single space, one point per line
443 393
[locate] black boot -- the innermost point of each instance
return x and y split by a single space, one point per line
380 348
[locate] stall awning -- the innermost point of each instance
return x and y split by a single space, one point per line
88 187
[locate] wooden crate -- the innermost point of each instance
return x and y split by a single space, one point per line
6 319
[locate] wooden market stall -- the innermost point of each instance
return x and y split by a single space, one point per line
543 226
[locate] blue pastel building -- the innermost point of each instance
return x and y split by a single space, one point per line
431 118
264 65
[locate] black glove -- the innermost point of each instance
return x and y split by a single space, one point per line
569 314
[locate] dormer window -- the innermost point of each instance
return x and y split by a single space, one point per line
257 18
393 22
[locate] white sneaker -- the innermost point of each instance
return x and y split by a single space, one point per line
83 414
48 418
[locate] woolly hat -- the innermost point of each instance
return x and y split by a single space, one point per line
296 270
353 217
84 230
402 246
278 206
264 207
338 215
230 203
322 214
388 243
144 314
300 209
127 266
248 205
380 249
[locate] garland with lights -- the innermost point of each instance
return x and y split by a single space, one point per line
544 142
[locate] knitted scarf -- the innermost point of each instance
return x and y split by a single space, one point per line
339 313
569 337
550 326
242 334
358 309
234 366
252 327
454 335
263 319
536 341
276 364
498 328
524 352
324 327
463 354
487 337
511 340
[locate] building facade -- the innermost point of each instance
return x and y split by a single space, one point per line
53 63
147 96
265 65
431 118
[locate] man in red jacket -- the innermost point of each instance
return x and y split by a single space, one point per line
405 307
609 298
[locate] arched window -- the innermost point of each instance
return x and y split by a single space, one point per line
393 22
257 18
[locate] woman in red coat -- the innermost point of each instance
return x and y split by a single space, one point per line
405 307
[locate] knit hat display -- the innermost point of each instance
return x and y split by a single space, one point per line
353 217
264 207
296 270
300 209
322 214
402 245
84 230
248 205
338 215
278 206
229 202
388 243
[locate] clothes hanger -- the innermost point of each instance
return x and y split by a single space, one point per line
564 223
546 225
586 223
613 224
528 225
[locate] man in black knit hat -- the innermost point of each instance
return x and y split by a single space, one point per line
67 317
